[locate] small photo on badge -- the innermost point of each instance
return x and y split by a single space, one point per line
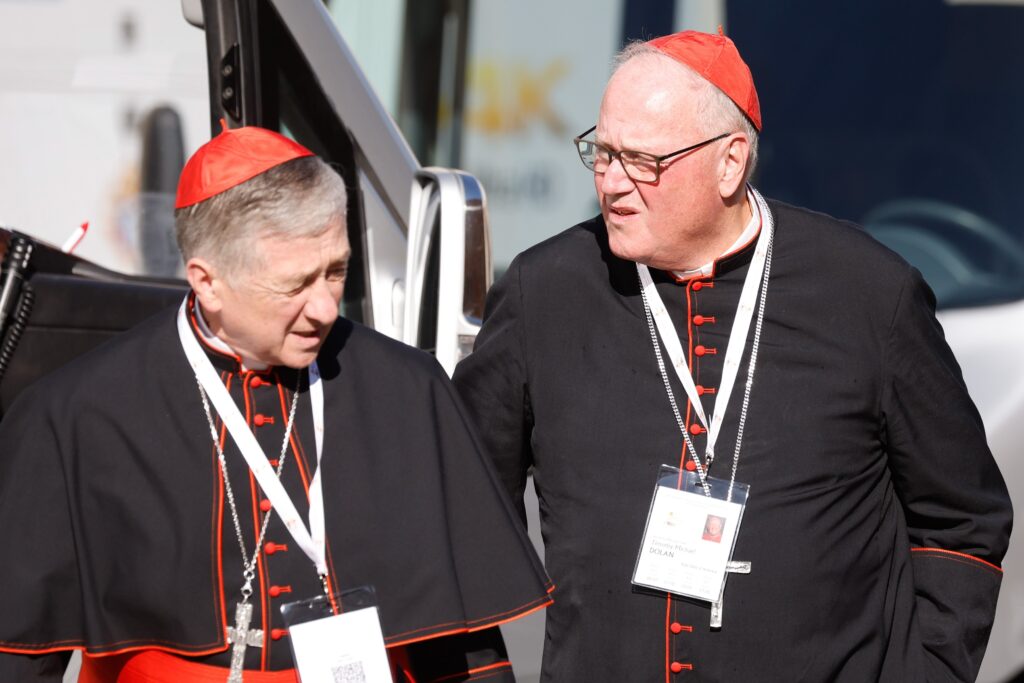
713 527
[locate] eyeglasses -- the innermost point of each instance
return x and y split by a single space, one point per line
639 166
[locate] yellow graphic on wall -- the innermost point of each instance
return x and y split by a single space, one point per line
508 99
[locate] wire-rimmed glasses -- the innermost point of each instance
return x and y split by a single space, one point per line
639 166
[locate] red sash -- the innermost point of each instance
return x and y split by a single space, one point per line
154 666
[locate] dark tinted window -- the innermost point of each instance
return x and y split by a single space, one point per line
902 116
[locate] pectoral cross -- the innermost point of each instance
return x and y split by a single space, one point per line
732 567
241 637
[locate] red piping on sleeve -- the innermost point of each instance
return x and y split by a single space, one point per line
953 554
419 634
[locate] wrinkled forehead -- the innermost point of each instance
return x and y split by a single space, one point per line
309 247
648 99
311 240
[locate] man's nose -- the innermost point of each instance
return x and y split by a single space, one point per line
322 304
614 180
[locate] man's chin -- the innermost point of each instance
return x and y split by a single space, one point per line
299 359
625 248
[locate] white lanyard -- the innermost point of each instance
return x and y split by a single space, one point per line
737 337
312 541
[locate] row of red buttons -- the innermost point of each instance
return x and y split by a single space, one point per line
270 548
275 591
695 429
677 628
261 419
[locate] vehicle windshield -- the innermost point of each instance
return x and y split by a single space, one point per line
904 117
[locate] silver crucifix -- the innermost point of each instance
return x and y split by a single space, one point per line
241 637
716 607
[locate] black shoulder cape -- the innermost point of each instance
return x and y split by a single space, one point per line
116 535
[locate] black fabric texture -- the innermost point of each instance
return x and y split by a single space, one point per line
861 444
117 535
462 658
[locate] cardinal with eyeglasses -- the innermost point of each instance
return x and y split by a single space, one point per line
249 487
756 456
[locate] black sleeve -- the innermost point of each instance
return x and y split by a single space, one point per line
954 499
492 382
476 656
35 668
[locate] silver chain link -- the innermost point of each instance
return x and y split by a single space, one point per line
672 396
248 564
704 470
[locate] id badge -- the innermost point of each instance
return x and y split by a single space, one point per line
689 536
339 642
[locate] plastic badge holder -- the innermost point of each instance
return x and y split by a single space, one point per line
338 639
689 536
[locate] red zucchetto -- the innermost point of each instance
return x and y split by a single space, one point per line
716 59
231 158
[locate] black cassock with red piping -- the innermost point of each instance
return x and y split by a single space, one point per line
117 535
877 517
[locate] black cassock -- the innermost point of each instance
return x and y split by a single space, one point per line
877 517
117 536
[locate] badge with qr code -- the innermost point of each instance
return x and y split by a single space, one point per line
338 640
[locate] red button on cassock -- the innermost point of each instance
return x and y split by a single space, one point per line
697 286
698 320
271 548
676 627
696 429
261 420
275 591
265 505
690 465
700 390
256 383
278 633
699 350
676 667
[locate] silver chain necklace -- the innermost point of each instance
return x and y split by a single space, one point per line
702 470
248 564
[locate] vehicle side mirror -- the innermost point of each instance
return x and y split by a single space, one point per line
449 264
192 10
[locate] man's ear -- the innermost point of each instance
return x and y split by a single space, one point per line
733 168
205 282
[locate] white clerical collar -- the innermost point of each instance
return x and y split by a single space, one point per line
748 234
217 343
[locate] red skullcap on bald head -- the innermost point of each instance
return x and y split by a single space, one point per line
716 59
231 158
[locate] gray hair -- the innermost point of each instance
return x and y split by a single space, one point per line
298 198
714 108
